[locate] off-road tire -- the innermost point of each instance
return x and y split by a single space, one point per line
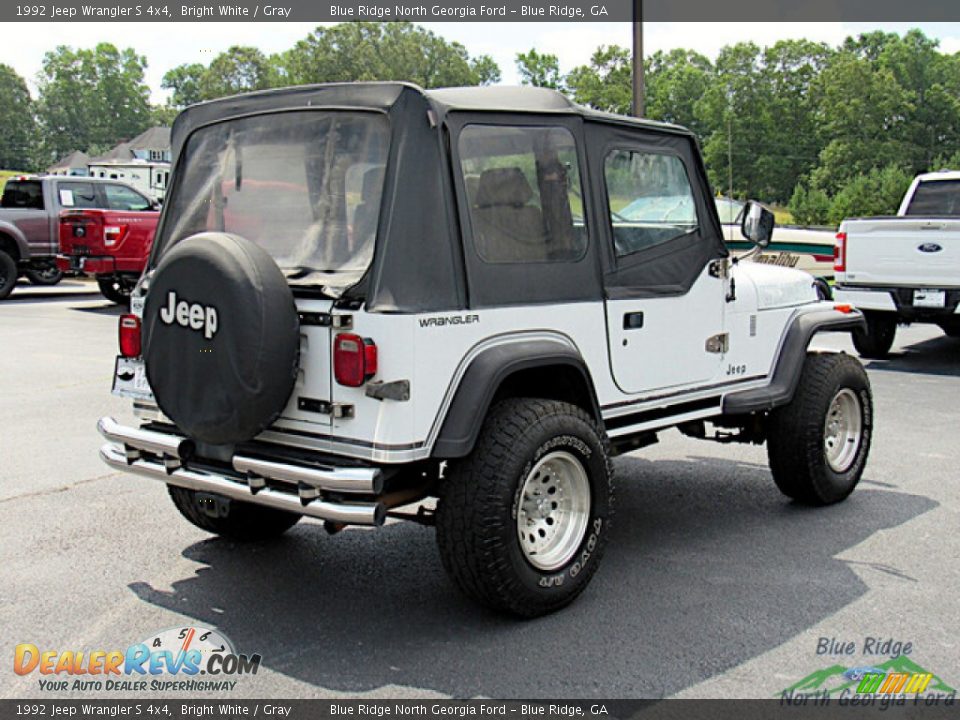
235 520
44 278
875 342
114 290
477 529
796 433
8 275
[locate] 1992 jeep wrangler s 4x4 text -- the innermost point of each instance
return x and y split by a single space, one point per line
364 296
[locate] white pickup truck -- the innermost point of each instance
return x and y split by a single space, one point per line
903 269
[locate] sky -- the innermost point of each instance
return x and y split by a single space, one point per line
167 45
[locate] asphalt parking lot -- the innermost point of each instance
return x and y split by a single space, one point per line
713 584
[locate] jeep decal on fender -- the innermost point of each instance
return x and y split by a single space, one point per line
193 316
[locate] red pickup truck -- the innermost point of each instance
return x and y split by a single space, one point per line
112 245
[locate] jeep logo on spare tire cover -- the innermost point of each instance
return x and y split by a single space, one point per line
221 338
190 315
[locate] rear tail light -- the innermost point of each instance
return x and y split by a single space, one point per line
354 359
840 253
130 336
113 234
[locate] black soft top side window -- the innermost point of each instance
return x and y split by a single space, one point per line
524 193
649 200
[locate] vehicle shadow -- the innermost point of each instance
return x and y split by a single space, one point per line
707 566
65 290
936 356
108 308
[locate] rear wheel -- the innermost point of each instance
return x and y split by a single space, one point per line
523 520
231 518
875 342
44 276
115 288
818 443
8 274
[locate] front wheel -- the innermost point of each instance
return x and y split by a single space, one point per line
231 518
819 442
875 342
44 276
8 274
115 288
523 520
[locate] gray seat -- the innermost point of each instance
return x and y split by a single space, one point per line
506 229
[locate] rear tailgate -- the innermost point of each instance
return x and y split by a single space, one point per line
125 235
903 252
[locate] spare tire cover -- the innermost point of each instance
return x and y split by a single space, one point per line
221 338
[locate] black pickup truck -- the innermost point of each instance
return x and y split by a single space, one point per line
30 222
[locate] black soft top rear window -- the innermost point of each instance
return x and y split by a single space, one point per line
304 185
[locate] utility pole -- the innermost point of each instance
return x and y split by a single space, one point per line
639 90
730 154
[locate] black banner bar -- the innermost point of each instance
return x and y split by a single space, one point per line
807 708
481 11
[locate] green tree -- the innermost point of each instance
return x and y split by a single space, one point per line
383 51
675 83
736 107
862 110
237 70
539 69
791 69
877 192
606 83
163 115
16 119
809 207
91 97
185 82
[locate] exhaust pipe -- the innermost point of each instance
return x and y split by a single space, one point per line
348 514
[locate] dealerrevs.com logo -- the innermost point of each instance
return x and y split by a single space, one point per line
191 659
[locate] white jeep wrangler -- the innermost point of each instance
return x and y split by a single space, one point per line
453 307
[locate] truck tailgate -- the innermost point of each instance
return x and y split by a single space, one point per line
904 252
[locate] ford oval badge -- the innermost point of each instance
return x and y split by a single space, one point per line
929 248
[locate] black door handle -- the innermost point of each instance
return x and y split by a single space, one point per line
632 321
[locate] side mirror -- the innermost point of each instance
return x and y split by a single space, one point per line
155 205
757 224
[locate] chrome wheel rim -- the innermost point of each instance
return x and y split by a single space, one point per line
553 511
843 430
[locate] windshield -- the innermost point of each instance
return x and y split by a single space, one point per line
305 186
936 198
728 210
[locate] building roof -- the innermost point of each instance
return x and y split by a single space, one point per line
156 138
120 152
76 159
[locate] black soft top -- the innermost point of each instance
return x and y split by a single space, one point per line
384 96
420 262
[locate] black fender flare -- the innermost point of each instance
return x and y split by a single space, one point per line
485 375
11 234
789 364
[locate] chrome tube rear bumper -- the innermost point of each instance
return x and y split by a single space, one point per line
307 483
